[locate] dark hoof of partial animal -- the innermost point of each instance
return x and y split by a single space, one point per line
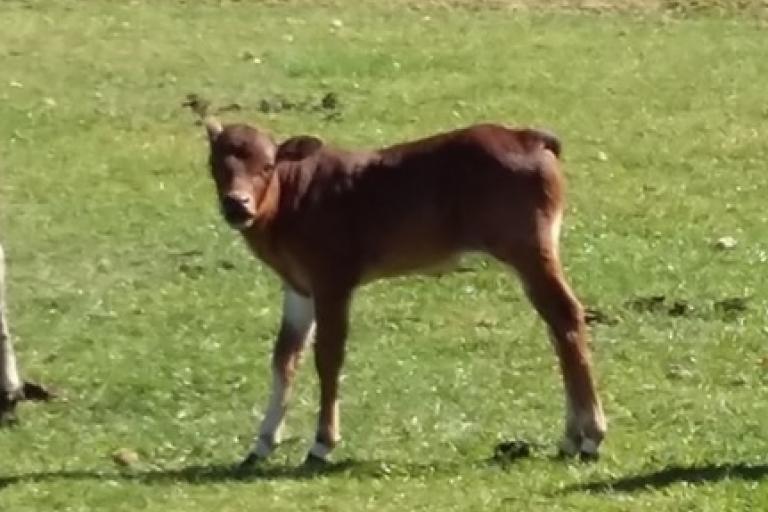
250 461
30 391
313 461
37 393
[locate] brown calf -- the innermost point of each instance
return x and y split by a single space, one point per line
327 220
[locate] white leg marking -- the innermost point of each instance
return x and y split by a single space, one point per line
592 423
9 380
589 446
555 228
320 450
298 311
299 317
271 426
578 424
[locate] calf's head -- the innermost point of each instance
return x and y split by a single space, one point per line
242 164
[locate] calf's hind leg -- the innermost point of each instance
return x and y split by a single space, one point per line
544 282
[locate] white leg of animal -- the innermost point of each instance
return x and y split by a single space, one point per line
591 422
9 379
321 450
557 224
570 444
579 422
296 332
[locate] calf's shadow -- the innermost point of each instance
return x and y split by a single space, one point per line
374 469
674 474
219 473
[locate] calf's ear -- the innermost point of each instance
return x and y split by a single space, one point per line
213 128
298 148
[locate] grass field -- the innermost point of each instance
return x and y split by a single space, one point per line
132 297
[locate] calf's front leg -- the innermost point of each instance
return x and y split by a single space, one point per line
332 313
296 331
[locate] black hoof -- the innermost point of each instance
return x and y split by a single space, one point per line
313 461
250 461
37 393
589 456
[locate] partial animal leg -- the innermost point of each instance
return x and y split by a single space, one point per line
296 331
544 282
11 387
332 311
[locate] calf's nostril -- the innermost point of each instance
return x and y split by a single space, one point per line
235 208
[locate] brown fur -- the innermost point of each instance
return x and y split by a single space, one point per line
327 220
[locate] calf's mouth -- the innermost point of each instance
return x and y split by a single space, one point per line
237 212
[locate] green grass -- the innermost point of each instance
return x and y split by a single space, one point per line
130 295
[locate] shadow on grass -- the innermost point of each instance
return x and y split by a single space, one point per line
670 475
217 473
379 469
